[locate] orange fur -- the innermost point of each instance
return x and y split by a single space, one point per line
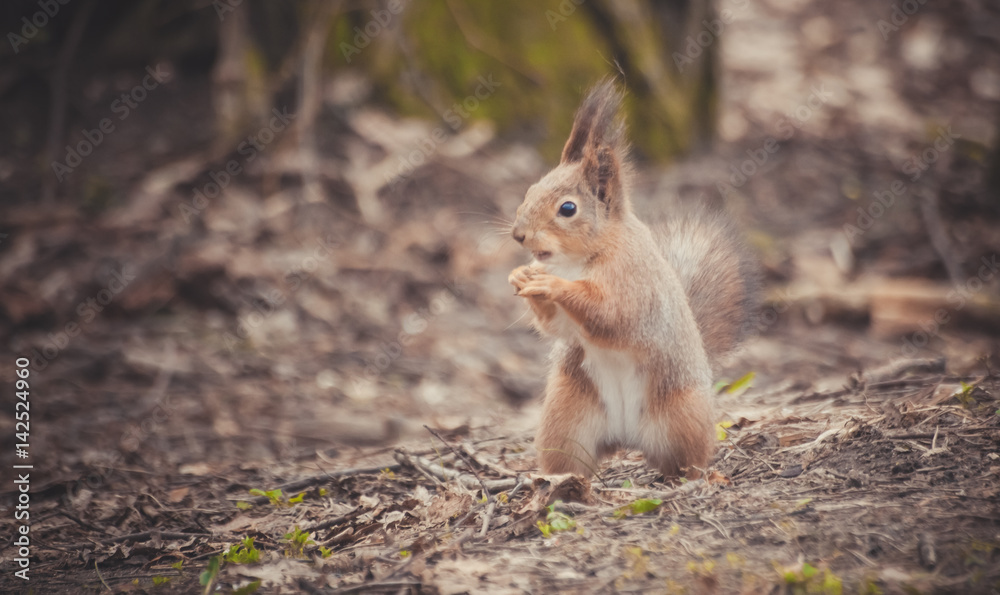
639 320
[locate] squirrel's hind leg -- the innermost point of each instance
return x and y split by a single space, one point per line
678 437
573 429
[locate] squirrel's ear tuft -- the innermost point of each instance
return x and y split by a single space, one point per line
597 123
598 140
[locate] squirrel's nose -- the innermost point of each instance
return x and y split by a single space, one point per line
518 235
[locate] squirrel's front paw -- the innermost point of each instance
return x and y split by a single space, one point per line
542 286
519 277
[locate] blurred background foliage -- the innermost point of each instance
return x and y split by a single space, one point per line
419 62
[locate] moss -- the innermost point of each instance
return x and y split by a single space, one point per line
543 68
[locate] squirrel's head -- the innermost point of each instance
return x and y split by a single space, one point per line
564 215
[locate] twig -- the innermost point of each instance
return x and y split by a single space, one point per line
465 516
487 518
334 522
144 535
864 559
102 578
375 585
681 490
429 476
486 491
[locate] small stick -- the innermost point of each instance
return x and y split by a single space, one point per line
333 522
487 518
472 510
486 491
98 570
467 481
144 535
374 585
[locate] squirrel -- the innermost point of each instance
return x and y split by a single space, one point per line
641 316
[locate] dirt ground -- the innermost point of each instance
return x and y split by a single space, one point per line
364 354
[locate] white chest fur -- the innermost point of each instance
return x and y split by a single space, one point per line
622 389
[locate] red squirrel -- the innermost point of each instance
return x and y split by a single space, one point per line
640 316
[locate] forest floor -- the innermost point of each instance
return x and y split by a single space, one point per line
363 353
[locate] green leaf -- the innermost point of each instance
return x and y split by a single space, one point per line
808 571
275 496
645 505
545 528
560 521
742 384
718 386
244 552
627 484
297 499
297 542
243 505
832 585
637 507
211 571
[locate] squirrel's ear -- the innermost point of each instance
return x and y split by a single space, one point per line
603 171
598 140
582 125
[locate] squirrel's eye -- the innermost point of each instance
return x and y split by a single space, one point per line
568 209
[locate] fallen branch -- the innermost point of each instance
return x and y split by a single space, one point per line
466 481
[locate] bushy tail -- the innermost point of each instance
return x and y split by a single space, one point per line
720 277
